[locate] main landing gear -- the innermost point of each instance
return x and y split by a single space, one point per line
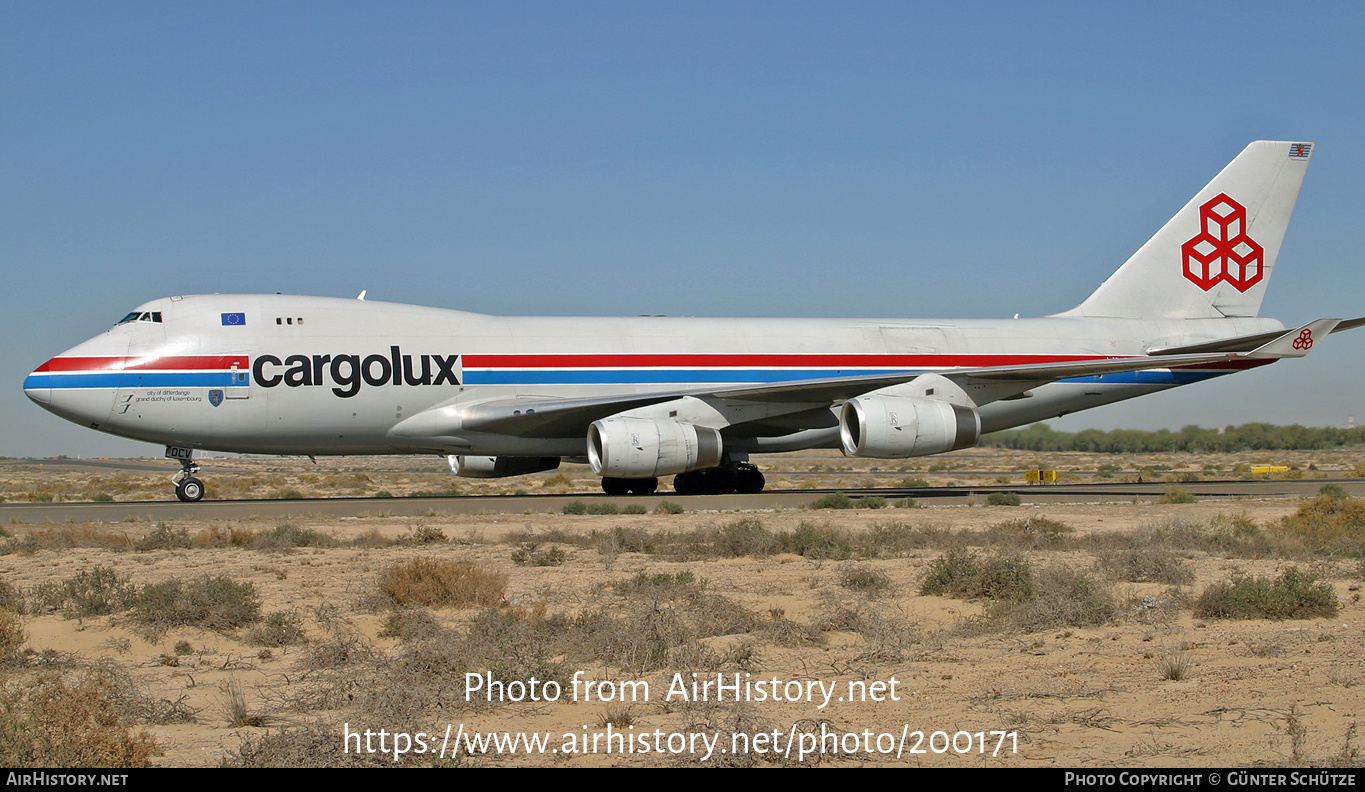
621 486
741 477
187 488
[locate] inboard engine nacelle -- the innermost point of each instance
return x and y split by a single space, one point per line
499 466
643 447
892 427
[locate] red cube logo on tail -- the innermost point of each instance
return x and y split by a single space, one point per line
1222 251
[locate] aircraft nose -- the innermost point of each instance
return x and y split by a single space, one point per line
38 385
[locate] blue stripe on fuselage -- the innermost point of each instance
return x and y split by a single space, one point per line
224 379
131 379
745 376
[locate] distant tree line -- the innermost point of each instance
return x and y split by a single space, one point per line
1247 437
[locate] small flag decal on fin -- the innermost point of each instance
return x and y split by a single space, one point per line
1300 150
233 319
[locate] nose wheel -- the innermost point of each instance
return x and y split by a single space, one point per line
187 488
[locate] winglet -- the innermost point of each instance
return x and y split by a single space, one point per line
1296 342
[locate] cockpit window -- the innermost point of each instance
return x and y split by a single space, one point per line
140 316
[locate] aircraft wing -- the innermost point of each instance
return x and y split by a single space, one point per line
552 417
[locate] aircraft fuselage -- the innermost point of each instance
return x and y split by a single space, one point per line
278 374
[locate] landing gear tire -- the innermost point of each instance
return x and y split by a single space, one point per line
749 480
687 483
644 486
745 479
189 489
718 481
615 486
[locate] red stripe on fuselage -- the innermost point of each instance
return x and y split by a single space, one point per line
168 363
760 360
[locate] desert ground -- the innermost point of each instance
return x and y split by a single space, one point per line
1068 635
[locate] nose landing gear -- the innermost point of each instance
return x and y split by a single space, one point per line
187 488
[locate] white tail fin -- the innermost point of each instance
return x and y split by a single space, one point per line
1214 258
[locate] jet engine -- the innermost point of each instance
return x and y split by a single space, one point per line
635 448
499 466
893 427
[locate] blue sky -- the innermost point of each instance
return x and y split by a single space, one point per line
806 159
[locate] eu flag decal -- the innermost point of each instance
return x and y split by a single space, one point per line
233 319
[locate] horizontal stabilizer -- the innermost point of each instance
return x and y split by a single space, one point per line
1296 342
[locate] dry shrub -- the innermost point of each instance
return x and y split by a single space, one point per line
1034 531
224 536
1327 523
442 584
56 720
532 554
423 535
888 635
872 582
1147 565
276 630
1236 535
287 536
371 538
10 598
309 745
235 710
66 537
12 635
1174 666
1061 598
97 591
164 537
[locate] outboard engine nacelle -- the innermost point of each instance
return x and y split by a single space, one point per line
893 427
643 447
499 466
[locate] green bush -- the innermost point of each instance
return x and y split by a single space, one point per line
962 573
214 603
1295 594
668 507
1003 499
1177 495
575 507
816 542
835 500
1333 491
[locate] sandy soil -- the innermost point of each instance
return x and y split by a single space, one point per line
1256 690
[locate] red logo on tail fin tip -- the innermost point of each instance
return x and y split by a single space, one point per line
1305 340
1222 251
